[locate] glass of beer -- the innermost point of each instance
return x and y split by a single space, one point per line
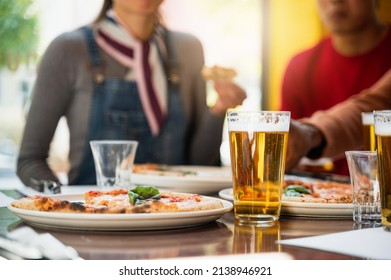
258 143
368 131
383 141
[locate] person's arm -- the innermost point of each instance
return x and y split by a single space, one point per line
304 140
206 134
51 95
332 132
204 129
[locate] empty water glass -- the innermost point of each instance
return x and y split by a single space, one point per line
114 162
366 192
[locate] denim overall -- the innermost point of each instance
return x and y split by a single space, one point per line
117 113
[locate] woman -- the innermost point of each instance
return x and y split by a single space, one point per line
124 77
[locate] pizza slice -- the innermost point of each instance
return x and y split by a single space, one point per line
216 72
333 192
317 192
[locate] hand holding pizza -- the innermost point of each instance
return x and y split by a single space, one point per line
230 94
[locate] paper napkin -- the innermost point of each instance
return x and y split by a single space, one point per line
370 243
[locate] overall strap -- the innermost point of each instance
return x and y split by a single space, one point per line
171 62
95 62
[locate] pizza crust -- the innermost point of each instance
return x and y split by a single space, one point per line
216 72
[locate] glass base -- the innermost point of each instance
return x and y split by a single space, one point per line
367 214
260 220
366 225
387 228
367 219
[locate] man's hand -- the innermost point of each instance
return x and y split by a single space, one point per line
302 139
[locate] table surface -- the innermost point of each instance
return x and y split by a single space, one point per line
222 237
218 238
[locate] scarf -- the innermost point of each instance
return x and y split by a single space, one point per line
145 64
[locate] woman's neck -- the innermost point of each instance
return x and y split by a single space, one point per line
360 42
140 26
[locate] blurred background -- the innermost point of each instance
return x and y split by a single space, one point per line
256 37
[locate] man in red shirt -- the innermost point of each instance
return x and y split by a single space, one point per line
332 132
355 55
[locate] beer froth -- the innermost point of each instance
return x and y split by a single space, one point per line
265 122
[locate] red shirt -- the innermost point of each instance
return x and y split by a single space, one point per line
320 77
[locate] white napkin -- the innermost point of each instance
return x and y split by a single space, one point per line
370 243
47 244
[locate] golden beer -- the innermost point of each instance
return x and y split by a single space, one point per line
369 137
258 166
368 130
383 139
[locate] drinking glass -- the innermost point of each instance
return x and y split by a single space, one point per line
383 142
258 143
113 162
363 172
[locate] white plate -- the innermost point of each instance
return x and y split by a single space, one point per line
209 179
305 209
118 222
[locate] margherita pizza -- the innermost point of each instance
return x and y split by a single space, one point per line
142 199
317 192
161 170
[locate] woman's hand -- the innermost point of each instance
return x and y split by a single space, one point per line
230 95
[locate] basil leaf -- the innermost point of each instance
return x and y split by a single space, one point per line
141 194
189 173
163 169
133 197
146 191
299 189
292 193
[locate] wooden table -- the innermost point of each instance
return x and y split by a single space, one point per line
222 237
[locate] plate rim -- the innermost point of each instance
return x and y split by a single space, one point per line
30 216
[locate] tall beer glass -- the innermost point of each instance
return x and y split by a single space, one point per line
368 131
383 140
258 143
